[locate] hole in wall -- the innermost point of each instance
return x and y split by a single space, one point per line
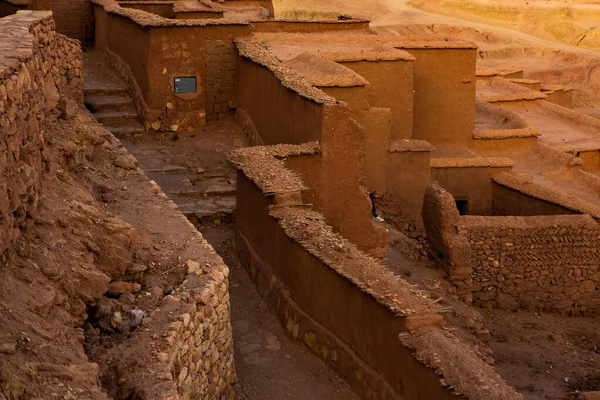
462 206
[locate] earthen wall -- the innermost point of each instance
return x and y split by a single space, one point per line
508 201
70 15
40 70
325 292
444 99
271 113
537 263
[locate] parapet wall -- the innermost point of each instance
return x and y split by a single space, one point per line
367 324
40 71
537 263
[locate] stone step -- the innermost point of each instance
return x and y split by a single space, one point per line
99 102
127 128
114 117
93 86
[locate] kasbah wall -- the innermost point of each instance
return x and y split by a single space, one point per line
549 263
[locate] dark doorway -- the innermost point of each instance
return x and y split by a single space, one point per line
462 206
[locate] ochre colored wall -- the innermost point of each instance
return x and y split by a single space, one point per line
129 41
308 26
278 114
408 174
390 86
511 202
69 15
444 99
377 123
472 184
334 180
357 319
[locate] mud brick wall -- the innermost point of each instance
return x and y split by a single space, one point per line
536 263
39 71
291 253
221 78
70 15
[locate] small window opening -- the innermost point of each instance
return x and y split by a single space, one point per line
185 84
462 206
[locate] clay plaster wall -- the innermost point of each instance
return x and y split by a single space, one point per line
40 71
408 174
473 184
325 292
333 177
444 99
548 263
164 51
390 86
295 26
509 201
70 15
271 113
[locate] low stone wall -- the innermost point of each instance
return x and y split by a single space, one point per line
40 73
378 333
537 263
193 355
40 80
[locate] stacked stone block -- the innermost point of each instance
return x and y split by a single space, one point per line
551 269
40 71
221 78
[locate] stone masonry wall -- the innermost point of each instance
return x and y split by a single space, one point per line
40 73
221 78
193 355
536 263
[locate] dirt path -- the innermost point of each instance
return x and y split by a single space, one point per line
269 365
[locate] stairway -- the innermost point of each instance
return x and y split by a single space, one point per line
106 96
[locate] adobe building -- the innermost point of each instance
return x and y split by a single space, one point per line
336 111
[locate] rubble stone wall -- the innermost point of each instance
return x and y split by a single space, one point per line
537 263
40 71
547 263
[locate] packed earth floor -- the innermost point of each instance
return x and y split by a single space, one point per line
192 170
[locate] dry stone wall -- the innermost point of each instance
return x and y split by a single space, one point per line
40 73
537 263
